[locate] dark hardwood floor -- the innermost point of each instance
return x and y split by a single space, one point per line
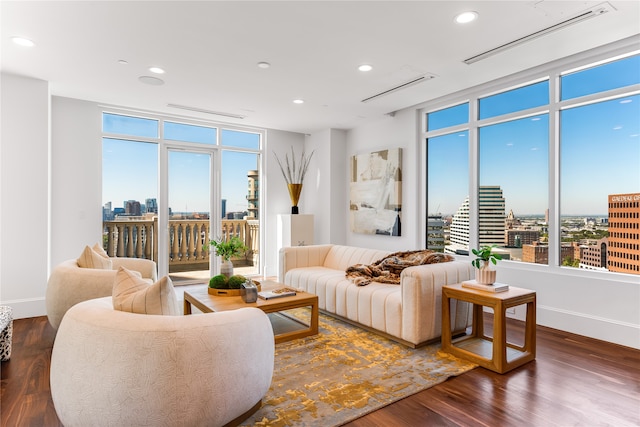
575 381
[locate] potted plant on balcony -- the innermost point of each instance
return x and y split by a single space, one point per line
485 256
227 249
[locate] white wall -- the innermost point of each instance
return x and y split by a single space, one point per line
276 192
76 177
24 182
326 185
601 305
390 132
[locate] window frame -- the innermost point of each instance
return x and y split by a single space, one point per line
552 71
166 145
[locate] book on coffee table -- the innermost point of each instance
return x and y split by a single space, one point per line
276 293
496 287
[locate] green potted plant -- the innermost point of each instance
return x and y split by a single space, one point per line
222 285
228 249
485 256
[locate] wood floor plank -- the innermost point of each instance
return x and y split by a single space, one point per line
574 380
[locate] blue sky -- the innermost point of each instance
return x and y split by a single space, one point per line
599 147
600 155
130 169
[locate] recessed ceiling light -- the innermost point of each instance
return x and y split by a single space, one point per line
365 67
466 17
298 101
263 65
22 41
156 70
154 81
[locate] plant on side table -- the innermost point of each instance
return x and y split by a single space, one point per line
228 249
485 256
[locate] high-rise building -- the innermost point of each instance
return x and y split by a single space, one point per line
538 253
435 233
107 214
492 216
594 256
459 230
132 208
624 233
151 205
254 194
492 221
517 238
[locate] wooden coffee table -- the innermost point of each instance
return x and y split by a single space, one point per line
296 328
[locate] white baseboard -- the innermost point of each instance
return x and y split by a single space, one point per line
614 331
28 307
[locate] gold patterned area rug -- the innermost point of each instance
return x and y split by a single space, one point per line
345 372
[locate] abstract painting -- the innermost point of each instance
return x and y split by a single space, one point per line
376 192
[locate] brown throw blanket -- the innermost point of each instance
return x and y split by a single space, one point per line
388 269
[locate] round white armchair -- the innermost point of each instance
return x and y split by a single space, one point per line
70 284
114 368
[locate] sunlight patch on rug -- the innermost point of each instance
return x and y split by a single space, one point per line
345 372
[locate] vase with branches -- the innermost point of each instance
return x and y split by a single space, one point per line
294 174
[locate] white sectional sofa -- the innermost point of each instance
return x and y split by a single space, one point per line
409 313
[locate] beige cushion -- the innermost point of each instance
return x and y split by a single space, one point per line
100 250
92 259
133 294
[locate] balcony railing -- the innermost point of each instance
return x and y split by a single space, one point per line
188 247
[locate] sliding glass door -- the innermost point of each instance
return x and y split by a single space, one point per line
189 213
169 186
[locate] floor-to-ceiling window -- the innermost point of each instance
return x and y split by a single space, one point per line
240 192
170 185
448 181
513 154
547 168
600 166
130 154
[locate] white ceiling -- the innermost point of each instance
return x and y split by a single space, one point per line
210 49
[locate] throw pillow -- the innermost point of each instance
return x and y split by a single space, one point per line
91 259
132 294
100 250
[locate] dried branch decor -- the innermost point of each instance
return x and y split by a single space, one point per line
293 174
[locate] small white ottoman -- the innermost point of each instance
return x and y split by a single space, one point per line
6 328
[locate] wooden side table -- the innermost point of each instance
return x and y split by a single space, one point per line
493 353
